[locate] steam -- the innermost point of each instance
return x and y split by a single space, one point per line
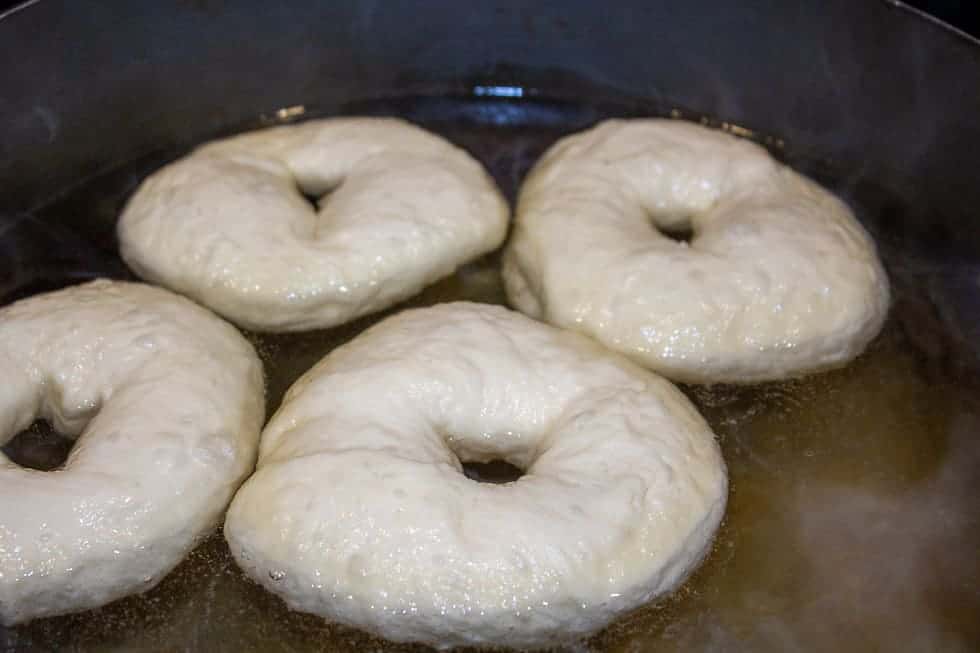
890 563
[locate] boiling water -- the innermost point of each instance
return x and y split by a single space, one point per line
852 522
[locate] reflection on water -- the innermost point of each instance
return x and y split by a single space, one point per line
852 523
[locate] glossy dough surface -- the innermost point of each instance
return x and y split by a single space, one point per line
779 278
228 225
166 401
359 510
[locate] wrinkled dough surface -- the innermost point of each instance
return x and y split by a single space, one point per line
228 225
166 402
359 510
778 280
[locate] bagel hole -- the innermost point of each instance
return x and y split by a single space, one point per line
677 233
316 196
39 447
312 200
497 472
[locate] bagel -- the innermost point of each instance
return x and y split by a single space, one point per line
166 402
778 279
229 227
360 512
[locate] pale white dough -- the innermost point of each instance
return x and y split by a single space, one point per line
166 401
359 510
778 280
228 226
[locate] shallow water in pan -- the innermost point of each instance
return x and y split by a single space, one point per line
853 521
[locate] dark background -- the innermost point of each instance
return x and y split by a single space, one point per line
963 14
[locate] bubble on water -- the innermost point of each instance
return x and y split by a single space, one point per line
277 574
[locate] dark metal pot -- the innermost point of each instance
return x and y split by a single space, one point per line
853 520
